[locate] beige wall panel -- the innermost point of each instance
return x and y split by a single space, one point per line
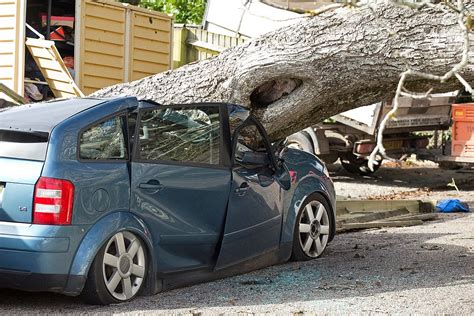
12 51
102 45
150 40
104 71
103 49
155 35
158 22
105 37
7 47
7 60
104 24
147 55
111 61
151 45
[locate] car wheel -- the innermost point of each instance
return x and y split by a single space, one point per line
312 230
118 271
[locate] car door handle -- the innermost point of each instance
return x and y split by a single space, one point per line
242 189
152 185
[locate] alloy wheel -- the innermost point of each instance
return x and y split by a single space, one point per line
124 265
314 229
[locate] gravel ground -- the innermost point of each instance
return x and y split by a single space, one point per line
414 180
420 269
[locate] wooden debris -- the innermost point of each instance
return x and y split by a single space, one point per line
361 215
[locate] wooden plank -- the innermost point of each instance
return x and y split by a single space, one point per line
11 94
139 75
149 67
423 217
105 49
146 55
104 36
369 217
57 75
153 22
151 45
151 34
7 47
62 87
96 82
52 67
40 52
357 226
104 71
7 60
111 61
7 21
8 34
110 26
104 12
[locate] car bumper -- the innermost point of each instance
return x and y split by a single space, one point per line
37 257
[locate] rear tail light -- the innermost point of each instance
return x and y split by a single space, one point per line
52 202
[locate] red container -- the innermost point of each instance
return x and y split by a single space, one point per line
462 143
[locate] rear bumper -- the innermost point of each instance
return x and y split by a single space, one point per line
38 257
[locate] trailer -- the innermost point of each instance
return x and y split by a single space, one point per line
351 136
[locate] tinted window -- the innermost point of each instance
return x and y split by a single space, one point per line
104 141
23 145
181 134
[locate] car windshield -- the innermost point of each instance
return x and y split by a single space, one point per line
23 145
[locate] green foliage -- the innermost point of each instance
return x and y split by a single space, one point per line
184 11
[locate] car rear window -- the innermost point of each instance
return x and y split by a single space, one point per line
23 145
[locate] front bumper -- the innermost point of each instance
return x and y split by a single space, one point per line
37 257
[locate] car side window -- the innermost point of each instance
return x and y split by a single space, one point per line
190 134
104 141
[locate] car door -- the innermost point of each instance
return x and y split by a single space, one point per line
180 181
254 217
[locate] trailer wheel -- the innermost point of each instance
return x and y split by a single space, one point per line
358 165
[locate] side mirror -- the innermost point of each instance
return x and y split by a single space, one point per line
254 158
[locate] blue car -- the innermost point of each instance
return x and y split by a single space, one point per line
113 198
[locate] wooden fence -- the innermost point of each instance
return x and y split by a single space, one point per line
193 43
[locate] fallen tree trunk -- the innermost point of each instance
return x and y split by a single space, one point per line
320 66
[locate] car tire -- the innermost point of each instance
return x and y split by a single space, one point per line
313 229
118 272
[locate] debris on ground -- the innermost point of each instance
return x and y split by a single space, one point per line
361 216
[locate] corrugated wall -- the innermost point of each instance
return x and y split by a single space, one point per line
102 46
12 54
150 45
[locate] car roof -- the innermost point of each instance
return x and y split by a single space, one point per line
43 117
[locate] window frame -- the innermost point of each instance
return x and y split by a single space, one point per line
224 138
124 119
249 122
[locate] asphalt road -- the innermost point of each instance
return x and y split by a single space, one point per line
421 269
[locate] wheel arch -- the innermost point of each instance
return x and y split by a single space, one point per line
96 237
305 190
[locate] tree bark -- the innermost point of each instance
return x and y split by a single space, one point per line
301 74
